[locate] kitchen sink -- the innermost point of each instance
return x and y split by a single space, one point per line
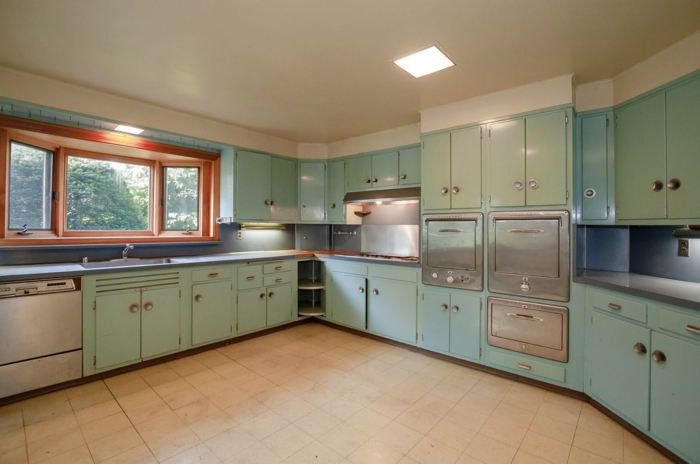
129 262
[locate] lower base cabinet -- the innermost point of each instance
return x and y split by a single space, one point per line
211 311
262 307
392 309
279 304
348 300
452 323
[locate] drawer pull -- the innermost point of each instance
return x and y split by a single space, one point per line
690 328
214 274
279 280
614 306
524 367
278 268
250 278
525 317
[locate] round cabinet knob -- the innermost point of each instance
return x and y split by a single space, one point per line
134 308
443 307
361 289
148 306
332 205
518 185
533 183
375 180
450 279
198 298
303 206
658 357
444 190
525 287
262 296
673 184
268 202
271 294
455 190
434 275
589 193
465 279
639 348
402 177
375 292
455 309
657 185
368 181
272 202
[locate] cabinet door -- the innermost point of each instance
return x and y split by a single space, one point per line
252 185
348 300
675 408
640 159
160 325
385 169
436 171
392 309
312 195
507 163
117 328
465 326
252 310
409 166
466 168
359 173
283 190
336 191
211 311
545 159
436 320
683 155
620 376
594 163
279 304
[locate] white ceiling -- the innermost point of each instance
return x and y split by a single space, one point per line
321 70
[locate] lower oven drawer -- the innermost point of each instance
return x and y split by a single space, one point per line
41 372
528 366
536 329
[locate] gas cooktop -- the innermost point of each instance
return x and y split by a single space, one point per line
409 259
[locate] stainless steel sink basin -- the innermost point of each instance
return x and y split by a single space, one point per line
129 262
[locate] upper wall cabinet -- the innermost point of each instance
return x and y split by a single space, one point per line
527 161
656 154
452 169
336 192
595 163
312 191
409 166
265 188
385 169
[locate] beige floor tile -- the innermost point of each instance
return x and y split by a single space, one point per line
183 398
288 441
497 392
504 431
637 451
160 377
452 435
79 402
256 386
47 407
318 395
464 459
449 392
122 386
596 421
87 389
187 366
213 425
15 456
344 439
553 429
389 406
434 405
153 369
173 443
480 403
230 369
342 407
524 399
559 412
143 405
229 398
579 456
298 385
274 396
97 411
431 451
439 369
55 445
407 460
363 394
213 387
11 418
375 452
294 409
368 421
490 451
199 454
12 440
246 410
202 377
212 358
316 452
105 426
231 442
265 424
563 400
546 448
115 444
512 413
317 423
138 455
197 410
399 437
523 457
418 419
158 426
80 455
467 418
256 454
170 387
603 445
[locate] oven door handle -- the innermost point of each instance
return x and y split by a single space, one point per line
525 231
456 231
525 317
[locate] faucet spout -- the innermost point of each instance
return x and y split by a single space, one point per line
125 251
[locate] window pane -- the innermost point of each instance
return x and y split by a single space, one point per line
31 179
181 198
107 195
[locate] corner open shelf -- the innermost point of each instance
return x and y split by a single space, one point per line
312 289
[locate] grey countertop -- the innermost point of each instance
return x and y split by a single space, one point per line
392 262
676 292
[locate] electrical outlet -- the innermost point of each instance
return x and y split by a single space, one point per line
684 247
239 235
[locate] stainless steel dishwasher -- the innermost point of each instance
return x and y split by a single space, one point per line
41 336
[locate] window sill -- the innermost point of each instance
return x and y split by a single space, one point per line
45 242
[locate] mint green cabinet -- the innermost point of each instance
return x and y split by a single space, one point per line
252 310
452 170
160 321
211 311
595 135
359 172
392 309
253 184
283 193
279 304
618 361
385 169
507 163
452 323
336 192
436 320
348 300
312 191
409 166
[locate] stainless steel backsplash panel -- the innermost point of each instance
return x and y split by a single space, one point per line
391 240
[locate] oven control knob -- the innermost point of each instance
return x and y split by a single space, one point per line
434 275
465 279
524 286
450 279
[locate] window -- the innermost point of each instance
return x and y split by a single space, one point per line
94 188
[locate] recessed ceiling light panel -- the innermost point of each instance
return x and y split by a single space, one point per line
128 129
424 62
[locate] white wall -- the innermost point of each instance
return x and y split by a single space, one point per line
594 95
404 135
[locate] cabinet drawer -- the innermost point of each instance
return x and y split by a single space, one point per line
617 305
201 275
396 273
283 266
249 277
347 268
528 366
680 323
277 279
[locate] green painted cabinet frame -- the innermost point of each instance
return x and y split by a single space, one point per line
452 323
312 191
348 300
336 192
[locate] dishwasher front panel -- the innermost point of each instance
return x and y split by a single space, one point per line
41 372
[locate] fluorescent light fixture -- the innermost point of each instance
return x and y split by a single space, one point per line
424 62
262 226
128 129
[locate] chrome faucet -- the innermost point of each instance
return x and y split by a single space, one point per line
125 251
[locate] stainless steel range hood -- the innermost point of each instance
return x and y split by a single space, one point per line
411 194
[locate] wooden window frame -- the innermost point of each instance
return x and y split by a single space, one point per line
160 156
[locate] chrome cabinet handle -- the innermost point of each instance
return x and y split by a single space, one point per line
361 289
450 231
271 294
657 185
402 177
375 292
518 185
455 190
268 202
444 190
250 278
332 205
658 357
673 184
692 329
455 309
589 193
198 298
134 308
639 348
533 184
262 296
278 268
614 306
303 205
279 280
148 306
443 307
213 275
524 367
525 317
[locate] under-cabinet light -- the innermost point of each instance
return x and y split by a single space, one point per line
262 226
426 61
128 129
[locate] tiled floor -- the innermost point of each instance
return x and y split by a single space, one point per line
312 394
